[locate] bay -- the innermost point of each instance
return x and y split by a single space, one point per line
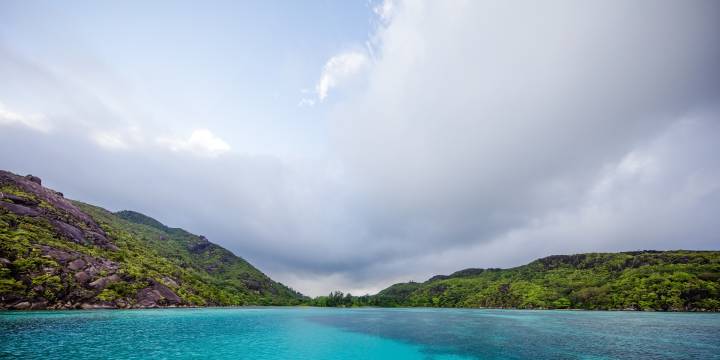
362 333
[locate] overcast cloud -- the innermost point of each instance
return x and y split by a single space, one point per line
457 134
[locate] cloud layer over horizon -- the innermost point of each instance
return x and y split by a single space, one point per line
458 134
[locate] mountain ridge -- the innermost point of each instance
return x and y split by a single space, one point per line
57 253
677 280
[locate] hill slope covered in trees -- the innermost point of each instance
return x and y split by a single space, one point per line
58 253
643 280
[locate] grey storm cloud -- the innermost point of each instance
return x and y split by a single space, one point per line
482 134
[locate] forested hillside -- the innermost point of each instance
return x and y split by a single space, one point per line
643 280
58 253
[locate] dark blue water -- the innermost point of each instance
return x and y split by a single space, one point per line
315 333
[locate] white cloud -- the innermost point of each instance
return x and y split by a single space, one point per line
36 122
339 69
119 139
307 102
201 142
385 10
110 140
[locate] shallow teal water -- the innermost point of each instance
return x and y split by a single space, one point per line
315 333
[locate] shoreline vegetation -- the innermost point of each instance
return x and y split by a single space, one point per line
309 305
648 280
57 253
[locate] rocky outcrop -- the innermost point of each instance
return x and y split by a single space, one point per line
17 209
25 196
70 279
200 246
157 295
34 179
76 264
81 277
84 278
103 282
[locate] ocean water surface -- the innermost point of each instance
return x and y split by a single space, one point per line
366 333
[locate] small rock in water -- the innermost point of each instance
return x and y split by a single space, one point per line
40 305
24 305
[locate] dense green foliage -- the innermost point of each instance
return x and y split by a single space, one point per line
143 253
646 280
216 275
338 299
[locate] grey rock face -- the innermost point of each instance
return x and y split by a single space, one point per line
20 210
34 179
70 221
103 282
76 264
24 305
157 295
82 277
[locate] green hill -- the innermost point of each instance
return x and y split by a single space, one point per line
58 253
643 280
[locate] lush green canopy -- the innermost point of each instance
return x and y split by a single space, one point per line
644 280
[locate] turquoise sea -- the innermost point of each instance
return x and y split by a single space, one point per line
366 333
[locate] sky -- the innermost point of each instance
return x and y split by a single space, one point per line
342 145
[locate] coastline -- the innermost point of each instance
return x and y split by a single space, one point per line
95 308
